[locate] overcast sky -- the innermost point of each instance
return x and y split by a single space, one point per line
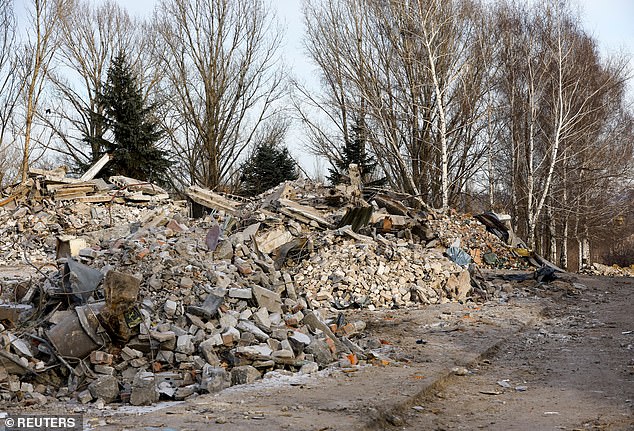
611 22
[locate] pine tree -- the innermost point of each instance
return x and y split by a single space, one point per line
95 138
353 151
268 166
136 133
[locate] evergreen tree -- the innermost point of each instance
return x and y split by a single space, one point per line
136 133
95 138
268 166
353 151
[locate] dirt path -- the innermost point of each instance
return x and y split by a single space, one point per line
572 371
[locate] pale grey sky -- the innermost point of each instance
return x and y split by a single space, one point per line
610 21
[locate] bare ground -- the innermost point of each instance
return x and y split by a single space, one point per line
572 370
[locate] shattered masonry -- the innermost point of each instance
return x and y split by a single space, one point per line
119 296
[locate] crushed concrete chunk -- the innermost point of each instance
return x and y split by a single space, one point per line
244 375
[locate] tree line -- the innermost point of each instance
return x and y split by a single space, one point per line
505 105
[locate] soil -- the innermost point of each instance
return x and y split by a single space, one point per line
556 356
572 370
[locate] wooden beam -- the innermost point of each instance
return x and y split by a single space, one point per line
95 169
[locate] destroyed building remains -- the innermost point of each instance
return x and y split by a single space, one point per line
118 295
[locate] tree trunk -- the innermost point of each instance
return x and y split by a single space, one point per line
564 246
585 250
552 233
490 160
563 262
530 177
27 140
442 123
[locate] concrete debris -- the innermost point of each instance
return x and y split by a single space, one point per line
144 389
244 375
211 200
609 271
133 302
214 379
106 388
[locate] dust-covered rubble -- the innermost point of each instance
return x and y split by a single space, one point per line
138 302
610 271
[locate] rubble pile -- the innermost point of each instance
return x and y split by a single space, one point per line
32 230
174 317
350 273
486 249
140 302
610 271
58 186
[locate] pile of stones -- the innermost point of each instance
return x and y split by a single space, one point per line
145 303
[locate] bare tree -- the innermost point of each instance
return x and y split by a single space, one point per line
222 80
413 74
10 88
597 165
557 98
441 96
45 20
90 36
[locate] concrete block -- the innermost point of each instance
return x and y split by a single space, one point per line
244 375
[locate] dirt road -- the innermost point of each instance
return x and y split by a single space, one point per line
573 370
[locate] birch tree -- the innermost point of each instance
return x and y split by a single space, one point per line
45 17
556 95
222 73
411 71
10 88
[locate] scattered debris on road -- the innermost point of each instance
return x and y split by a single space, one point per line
130 299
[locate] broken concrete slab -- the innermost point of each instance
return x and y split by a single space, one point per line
209 308
459 286
211 200
315 323
184 344
106 388
269 241
303 213
144 390
215 379
137 190
267 299
69 246
250 327
95 168
244 375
